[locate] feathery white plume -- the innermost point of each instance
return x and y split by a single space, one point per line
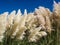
11 17
35 34
3 19
21 26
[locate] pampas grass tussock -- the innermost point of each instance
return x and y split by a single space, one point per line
31 28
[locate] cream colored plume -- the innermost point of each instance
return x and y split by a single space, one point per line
31 20
22 28
56 9
41 21
16 23
48 24
17 16
44 11
3 21
41 14
35 34
10 22
29 17
11 17
56 13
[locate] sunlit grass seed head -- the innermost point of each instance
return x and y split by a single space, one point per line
3 19
37 24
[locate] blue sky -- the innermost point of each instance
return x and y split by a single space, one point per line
30 5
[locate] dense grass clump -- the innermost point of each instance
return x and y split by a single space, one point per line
42 27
